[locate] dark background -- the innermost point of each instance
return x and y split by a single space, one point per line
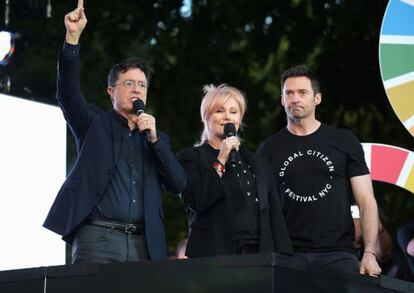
243 43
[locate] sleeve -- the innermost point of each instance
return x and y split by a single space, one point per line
270 146
261 151
273 181
204 185
69 95
278 225
281 239
356 165
171 172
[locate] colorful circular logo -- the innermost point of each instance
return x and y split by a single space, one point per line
396 53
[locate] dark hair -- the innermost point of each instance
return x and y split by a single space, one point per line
298 71
127 64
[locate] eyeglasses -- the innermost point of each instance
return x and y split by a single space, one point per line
130 84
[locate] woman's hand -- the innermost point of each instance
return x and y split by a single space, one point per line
227 145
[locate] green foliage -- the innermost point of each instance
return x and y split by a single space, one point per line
243 43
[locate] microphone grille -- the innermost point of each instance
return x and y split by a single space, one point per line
229 129
138 106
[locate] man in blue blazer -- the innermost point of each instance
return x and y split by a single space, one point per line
110 207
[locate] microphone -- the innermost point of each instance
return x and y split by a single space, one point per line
230 130
138 107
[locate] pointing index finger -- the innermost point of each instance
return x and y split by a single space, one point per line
80 3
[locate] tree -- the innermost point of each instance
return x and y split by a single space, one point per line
243 43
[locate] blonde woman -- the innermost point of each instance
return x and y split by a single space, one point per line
232 206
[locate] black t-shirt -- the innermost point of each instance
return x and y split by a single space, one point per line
313 173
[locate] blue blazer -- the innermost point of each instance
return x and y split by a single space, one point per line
98 140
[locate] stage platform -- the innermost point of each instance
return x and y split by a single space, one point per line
241 273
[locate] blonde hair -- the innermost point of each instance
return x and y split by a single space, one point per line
214 98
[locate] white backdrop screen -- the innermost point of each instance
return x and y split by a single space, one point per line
32 169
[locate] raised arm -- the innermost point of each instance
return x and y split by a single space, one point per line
75 22
69 94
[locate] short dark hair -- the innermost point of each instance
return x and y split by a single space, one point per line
127 64
298 71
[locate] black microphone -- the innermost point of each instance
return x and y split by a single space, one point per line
230 130
139 107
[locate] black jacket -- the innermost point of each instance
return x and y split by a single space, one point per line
210 208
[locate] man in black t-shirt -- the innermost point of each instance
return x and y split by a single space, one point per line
319 168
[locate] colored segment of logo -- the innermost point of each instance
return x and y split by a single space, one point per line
390 164
396 53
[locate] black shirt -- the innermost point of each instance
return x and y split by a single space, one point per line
313 172
123 197
246 207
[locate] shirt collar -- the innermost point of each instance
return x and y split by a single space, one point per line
121 120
